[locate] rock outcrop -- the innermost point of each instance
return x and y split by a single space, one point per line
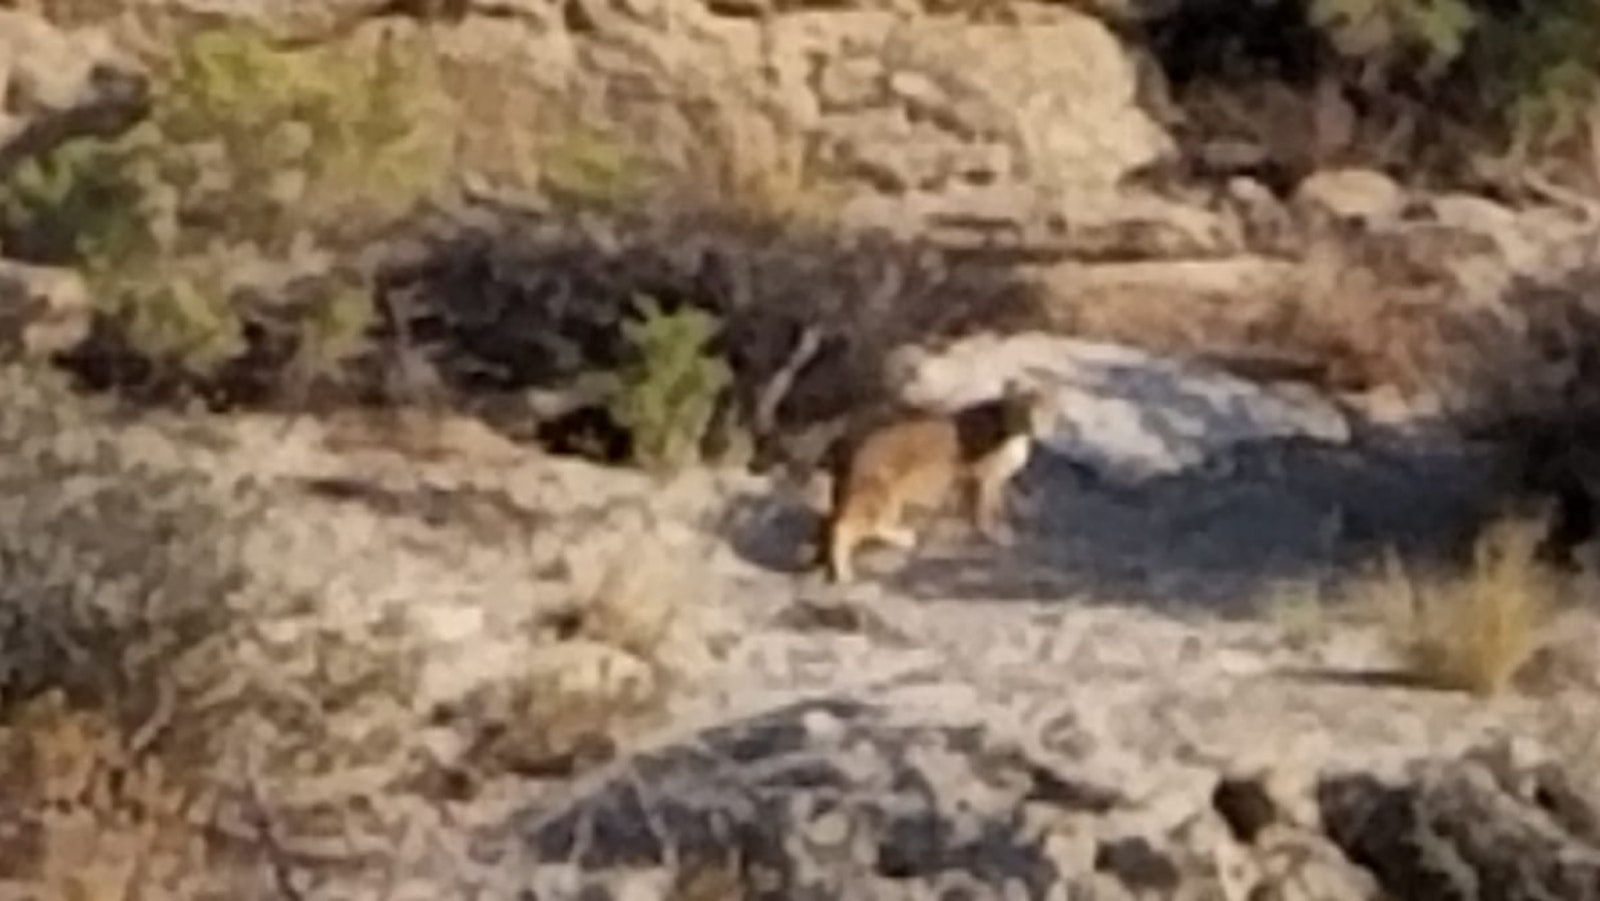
1478 827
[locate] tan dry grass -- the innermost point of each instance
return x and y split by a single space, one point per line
1297 609
639 593
602 669
93 819
1472 630
1335 318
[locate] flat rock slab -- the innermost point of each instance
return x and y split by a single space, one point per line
901 793
1127 414
832 797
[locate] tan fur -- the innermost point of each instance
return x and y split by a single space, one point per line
916 460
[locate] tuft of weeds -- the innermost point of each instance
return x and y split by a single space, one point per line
1298 610
597 671
668 394
636 590
1472 630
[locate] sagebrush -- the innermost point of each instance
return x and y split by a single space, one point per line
668 393
251 159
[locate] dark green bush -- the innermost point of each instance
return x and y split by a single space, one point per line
1439 90
1525 71
1547 59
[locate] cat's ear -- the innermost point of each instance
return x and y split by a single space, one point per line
1024 384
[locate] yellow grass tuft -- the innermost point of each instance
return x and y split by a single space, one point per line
95 819
1472 630
1296 609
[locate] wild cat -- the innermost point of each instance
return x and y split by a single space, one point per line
916 460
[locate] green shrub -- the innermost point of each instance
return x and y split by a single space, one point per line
334 329
268 141
1548 60
1436 30
1526 71
80 203
668 393
250 154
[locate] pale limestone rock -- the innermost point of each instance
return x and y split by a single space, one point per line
1120 409
1360 195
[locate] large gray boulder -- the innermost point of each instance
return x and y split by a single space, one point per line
918 118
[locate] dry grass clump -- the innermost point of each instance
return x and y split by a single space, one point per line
1472 630
90 816
638 594
616 636
1297 609
1374 316
114 561
757 161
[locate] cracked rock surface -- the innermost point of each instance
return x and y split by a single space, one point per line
493 674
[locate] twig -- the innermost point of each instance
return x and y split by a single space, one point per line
1594 139
157 722
1555 193
271 847
782 382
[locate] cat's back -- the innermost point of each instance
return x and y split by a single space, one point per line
908 453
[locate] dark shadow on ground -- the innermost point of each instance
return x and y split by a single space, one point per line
1361 678
1217 538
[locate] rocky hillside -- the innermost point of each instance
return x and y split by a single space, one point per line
347 659
400 399
828 183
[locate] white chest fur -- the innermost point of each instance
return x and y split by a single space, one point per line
1010 457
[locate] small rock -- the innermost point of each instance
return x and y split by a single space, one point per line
1360 195
43 311
1138 864
1265 220
850 83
